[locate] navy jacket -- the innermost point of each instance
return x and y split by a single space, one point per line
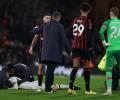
54 40
23 72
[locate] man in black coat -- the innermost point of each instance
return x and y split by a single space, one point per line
54 40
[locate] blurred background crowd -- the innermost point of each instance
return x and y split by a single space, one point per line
17 19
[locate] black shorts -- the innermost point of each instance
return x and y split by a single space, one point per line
81 54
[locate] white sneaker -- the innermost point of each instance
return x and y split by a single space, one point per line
39 90
49 91
107 93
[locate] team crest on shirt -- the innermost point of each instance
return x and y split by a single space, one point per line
79 21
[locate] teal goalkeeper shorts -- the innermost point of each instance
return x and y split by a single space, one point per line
112 59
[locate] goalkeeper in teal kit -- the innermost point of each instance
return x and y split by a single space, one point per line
112 27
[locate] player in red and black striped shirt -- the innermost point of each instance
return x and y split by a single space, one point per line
80 50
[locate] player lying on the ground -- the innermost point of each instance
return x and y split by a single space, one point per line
34 85
20 70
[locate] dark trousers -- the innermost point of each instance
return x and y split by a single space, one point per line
49 76
115 77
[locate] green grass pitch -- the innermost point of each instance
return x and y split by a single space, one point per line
97 84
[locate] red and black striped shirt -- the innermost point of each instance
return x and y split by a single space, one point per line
38 30
81 26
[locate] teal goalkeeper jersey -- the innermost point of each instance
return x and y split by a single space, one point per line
113 33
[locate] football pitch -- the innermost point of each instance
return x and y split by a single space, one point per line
97 84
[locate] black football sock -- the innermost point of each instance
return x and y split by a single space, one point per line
87 79
72 77
40 78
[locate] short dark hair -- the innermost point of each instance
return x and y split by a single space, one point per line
85 7
56 14
9 66
115 11
46 14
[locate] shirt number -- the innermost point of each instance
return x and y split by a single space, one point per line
78 29
115 32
